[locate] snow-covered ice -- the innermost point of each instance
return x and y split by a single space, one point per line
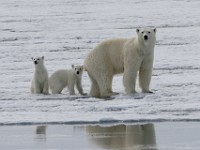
64 31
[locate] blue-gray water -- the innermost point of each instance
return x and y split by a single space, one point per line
147 136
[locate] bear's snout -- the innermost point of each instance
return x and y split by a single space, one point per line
77 72
35 62
146 37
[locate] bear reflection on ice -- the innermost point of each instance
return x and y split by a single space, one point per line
123 136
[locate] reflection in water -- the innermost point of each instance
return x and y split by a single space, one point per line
130 137
41 133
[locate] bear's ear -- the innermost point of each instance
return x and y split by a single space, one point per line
137 30
32 58
155 30
82 67
72 66
43 57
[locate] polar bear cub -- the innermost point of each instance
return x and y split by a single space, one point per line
39 83
62 78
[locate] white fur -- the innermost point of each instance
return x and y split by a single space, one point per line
39 83
62 78
126 56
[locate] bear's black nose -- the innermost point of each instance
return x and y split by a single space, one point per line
77 72
35 62
146 37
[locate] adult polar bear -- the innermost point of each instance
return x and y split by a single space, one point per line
126 56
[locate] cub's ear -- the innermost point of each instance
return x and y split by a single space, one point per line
72 66
137 30
32 58
43 57
155 30
82 67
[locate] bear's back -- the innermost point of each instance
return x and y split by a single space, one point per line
61 75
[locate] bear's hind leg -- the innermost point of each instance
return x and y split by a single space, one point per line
105 85
94 89
56 90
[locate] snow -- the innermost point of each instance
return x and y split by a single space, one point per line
64 31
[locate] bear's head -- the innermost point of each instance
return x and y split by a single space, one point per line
37 61
147 36
78 70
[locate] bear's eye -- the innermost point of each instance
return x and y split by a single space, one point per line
75 68
142 32
38 59
149 32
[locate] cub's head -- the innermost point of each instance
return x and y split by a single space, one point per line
78 70
38 60
146 35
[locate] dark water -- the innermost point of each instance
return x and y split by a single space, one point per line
162 136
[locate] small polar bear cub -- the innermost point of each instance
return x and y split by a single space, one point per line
62 78
39 83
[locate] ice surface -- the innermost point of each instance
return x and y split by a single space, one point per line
64 31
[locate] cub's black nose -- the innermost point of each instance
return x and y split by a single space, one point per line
35 62
77 72
146 37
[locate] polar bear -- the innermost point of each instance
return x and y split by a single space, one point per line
62 78
126 56
39 83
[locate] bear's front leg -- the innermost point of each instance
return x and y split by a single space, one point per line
79 87
131 67
46 87
37 88
71 87
32 87
129 80
145 74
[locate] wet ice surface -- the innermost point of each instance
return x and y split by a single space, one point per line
158 136
65 31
